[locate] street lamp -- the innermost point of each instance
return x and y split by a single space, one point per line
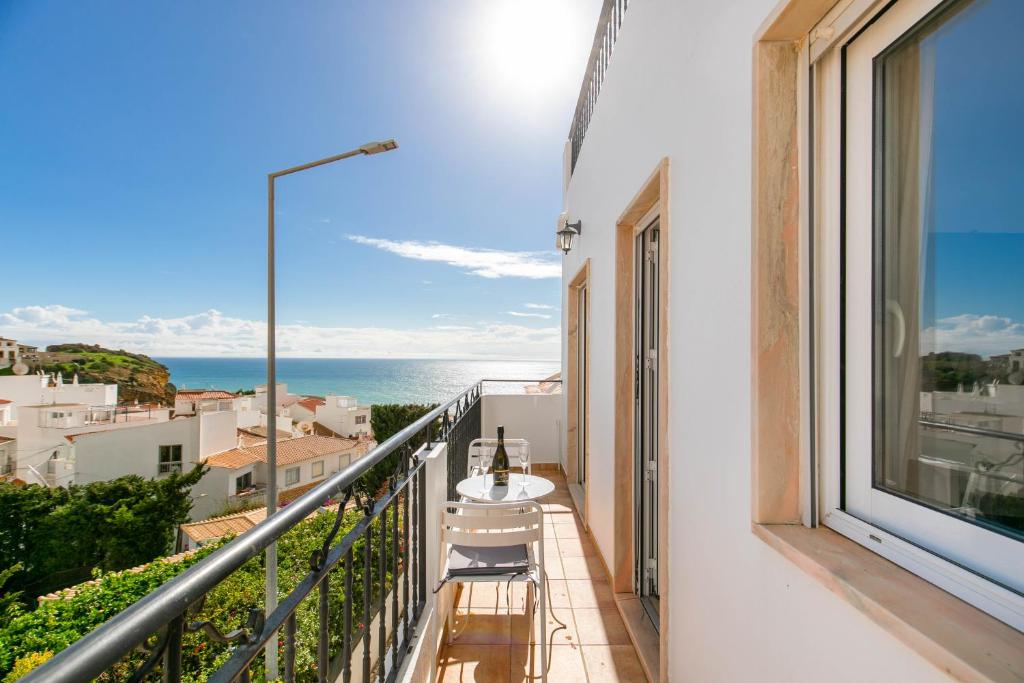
271 596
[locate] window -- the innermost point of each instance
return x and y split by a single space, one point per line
291 476
170 459
360 419
243 482
318 468
917 171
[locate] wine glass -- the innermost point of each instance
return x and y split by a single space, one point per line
524 460
485 462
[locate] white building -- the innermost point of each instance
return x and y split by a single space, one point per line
9 353
706 165
192 401
45 434
40 389
302 462
344 415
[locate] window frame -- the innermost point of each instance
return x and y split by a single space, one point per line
828 99
313 467
168 466
298 475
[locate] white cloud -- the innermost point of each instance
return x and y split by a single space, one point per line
970 333
212 333
443 316
542 307
488 263
520 314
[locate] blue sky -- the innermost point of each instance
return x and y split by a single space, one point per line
977 219
136 139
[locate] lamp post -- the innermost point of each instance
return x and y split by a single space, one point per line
271 594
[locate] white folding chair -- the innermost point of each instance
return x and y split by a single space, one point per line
481 447
507 547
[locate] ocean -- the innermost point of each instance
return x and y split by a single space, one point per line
369 380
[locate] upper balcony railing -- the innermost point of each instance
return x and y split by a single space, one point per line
607 33
369 577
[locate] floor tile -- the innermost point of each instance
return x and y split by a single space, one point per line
558 594
565 665
608 663
567 531
480 629
588 594
600 626
559 624
475 663
576 547
583 568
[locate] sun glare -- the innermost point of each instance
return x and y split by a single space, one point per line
532 47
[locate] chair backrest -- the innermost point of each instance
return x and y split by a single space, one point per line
478 525
513 447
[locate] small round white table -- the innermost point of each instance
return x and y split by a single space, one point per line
475 488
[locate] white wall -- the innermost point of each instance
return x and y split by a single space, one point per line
526 416
680 86
118 452
218 432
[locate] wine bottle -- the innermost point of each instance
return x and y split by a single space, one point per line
500 465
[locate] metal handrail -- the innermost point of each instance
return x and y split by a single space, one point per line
607 32
96 652
977 431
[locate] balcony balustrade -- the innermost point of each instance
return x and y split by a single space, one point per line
366 600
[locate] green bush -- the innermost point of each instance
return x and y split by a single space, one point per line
387 419
59 536
27 636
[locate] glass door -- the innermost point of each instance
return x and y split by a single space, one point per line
646 419
581 386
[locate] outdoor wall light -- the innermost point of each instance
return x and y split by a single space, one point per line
566 231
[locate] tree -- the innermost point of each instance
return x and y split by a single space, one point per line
387 419
60 536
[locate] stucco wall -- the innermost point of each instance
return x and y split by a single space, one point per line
679 86
530 417
118 452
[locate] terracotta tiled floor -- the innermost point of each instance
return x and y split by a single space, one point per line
586 637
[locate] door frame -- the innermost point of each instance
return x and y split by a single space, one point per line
654 192
580 280
650 221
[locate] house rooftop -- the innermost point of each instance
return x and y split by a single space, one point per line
201 394
310 403
218 527
289 451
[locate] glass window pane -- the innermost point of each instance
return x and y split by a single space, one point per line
949 254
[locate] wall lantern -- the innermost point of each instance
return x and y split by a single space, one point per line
566 231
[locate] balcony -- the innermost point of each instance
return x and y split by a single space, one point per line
490 640
355 615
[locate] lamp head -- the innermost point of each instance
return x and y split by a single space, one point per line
566 231
378 147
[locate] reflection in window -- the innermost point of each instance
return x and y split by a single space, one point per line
949 254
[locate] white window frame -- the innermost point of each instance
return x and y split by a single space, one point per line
288 473
933 545
169 466
319 464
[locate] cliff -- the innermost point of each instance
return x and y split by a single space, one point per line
138 377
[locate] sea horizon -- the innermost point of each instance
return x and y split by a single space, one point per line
370 380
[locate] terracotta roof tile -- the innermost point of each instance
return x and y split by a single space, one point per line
310 403
200 394
289 451
218 527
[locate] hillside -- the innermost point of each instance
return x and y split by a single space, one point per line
138 377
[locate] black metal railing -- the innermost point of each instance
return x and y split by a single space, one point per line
459 428
607 33
381 555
